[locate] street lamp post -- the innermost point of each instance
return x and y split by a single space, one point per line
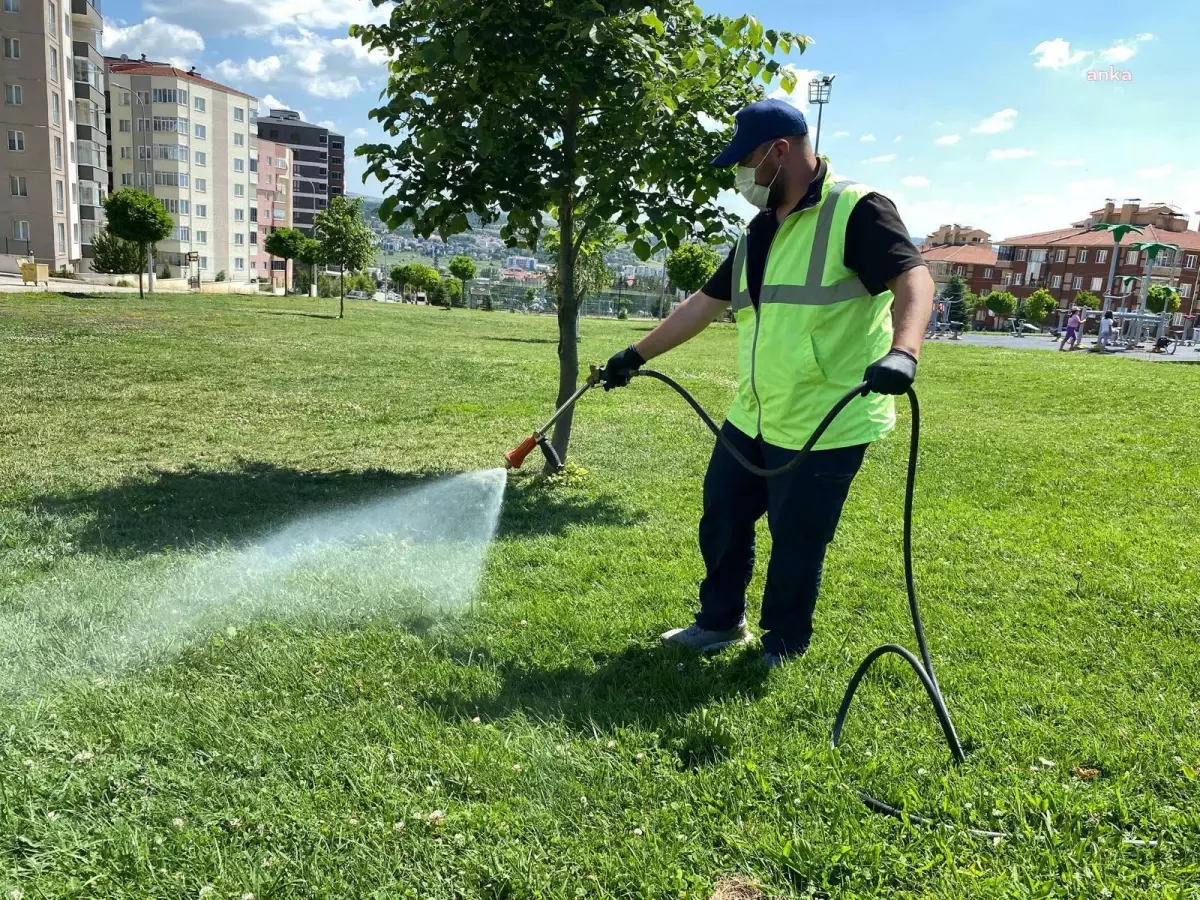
818 93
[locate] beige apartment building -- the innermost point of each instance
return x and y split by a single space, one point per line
50 135
189 141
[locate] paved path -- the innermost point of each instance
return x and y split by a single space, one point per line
1043 342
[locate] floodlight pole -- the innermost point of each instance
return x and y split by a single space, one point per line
818 93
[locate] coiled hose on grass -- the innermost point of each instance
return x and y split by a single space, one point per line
923 666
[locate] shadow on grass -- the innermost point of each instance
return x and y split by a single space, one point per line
645 686
521 340
289 312
195 507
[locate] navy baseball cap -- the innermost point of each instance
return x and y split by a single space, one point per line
766 120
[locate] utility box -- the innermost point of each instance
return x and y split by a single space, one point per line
35 272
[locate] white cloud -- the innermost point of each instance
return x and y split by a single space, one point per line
1057 53
359 133
996 122
1124 49
1155 172
841 134
263 16
330 124
270 102
898 139
799 95
1015 153
887 157
330 69
914 181
947 139
157 39
1067 163
867 138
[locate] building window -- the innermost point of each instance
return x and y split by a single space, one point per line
239 190
1056 281
53 65
1189 261
1131 258
20 231
1060 255
176 152
239 240
239 215
16 143
239 139
12 48
1007 280
202 210
987 274
199 103
1021 254
239 263
55 109
126 153
60 197
253 214
170 95
277 214
239 114
171 179
201 236
143 97
1185 291
52 18
280 162
182 233
1017 279
125 126
12 6
58 153
12 95
202 185
200 132
254 238
1101 256
143 124
201 158
239 165
959 270
178 207
18 185
126 179
62 237
1097 284
1082 256
171 124
1077 284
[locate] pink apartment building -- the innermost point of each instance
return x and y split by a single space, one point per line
273 209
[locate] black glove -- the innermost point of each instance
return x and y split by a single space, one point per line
620 368
894 374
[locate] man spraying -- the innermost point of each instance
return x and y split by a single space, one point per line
824 284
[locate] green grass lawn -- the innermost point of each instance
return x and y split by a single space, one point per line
1057 514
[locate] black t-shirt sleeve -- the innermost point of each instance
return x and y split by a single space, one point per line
878 247
720 286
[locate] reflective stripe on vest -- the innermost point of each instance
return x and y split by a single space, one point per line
805 343
812 292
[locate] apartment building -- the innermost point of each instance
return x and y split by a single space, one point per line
41 158
318 162
189 141
273 164
958 235
963 251
1069 260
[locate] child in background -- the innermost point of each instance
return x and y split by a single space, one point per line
1072 331
1106 329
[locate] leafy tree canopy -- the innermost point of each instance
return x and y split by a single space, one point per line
286 243
462 268
592 273
134 215
1001 303
1161 295
1086 298
345 239
1037 305
690 266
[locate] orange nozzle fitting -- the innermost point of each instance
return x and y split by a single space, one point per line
515 457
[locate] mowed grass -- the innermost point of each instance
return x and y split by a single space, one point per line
567 755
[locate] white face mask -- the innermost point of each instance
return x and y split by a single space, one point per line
757 195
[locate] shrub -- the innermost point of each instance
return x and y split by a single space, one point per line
221 275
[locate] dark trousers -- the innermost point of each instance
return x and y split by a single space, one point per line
802 509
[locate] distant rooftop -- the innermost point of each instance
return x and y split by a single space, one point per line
123 65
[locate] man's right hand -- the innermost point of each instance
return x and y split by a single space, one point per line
618 371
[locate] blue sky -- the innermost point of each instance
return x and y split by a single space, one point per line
980 114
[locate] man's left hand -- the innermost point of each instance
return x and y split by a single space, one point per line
894 374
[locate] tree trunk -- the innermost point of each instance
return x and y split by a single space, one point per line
568 320
342 291
141 292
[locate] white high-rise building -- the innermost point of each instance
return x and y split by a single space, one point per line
189 141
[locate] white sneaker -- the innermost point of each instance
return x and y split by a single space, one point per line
701 640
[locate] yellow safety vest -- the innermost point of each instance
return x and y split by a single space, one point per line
815 330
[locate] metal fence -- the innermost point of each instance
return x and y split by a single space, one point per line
518 297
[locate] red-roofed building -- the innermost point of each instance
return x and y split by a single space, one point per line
1068 260
975 263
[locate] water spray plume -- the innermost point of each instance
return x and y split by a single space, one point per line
418 553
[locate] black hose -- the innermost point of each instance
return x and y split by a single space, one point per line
924 666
